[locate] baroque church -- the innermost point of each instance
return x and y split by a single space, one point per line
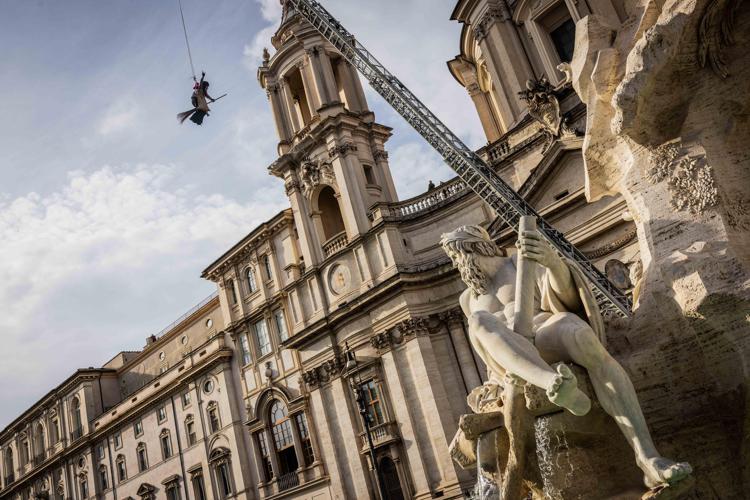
343 305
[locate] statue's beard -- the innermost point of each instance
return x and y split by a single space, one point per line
471 274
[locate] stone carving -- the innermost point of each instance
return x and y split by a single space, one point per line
342 150
380 154
612 246
266 56
315 172
716 32
327 371
618 273
561 300
543 104
401 333
690 180
496 13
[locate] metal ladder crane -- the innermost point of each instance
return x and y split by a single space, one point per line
469 166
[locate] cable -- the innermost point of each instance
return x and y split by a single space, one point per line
187 43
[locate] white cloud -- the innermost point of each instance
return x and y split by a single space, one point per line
120 117
270 11
417 165
111 256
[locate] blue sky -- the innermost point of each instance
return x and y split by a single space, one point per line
109 209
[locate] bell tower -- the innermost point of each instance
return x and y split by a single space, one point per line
332 154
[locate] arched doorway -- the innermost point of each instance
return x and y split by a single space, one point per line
389 479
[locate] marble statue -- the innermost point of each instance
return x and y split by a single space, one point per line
566 327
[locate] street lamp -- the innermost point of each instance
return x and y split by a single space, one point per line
359 397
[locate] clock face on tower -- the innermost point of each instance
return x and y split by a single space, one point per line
339 279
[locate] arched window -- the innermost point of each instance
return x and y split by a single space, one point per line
221 466
75 418
389 478
214 419
39 444
283 441
266 260
122 470
83 483
103 477
142 456
54 431
330 213
252 285
166 444
9 467
231 291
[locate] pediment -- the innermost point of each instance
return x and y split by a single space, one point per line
145 489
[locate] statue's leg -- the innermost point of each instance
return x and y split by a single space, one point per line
503 350
567 337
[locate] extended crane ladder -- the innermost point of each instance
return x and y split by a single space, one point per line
477 175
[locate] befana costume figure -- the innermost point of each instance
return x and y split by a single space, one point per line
199 100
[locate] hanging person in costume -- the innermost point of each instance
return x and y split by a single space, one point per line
199 100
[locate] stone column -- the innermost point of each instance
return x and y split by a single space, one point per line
297 443
291 107
279 114
334 466
492 128
323 79
308 83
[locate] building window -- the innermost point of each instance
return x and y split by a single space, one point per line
281 430
267 469
173 490
328 206
84 486
39 446
199 487
25 452
166 444
245 349
186 399
192 438
232 292
267 267
563 38
262 338
304 435
103 478
214 423
208 386
142 457
122 471
372 400
369 175
75 411
220 463
252 286
100 451
161 414
9 467
54 431
118 440
278 317
138 428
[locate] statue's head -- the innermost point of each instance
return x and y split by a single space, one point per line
466 246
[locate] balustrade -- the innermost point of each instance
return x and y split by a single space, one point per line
335 244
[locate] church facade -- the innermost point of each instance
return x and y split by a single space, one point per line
341 306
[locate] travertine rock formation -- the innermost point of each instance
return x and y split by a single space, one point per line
668 127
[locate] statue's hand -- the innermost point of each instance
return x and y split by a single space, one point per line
532 245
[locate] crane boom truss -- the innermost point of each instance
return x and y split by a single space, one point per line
469 166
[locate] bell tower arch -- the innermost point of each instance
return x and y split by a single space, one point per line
332 154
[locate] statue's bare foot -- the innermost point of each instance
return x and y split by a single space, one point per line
660 470
565 392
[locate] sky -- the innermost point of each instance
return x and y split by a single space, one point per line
110 210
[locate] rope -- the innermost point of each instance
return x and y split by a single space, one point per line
187 43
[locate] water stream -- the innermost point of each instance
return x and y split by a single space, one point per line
553 457
486 488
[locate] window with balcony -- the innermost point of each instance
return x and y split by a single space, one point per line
252 285
265 456
330 213
192 437
166 444
214 420
262 338
304 434
122 470
283 441
373 402
142 456
280 321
